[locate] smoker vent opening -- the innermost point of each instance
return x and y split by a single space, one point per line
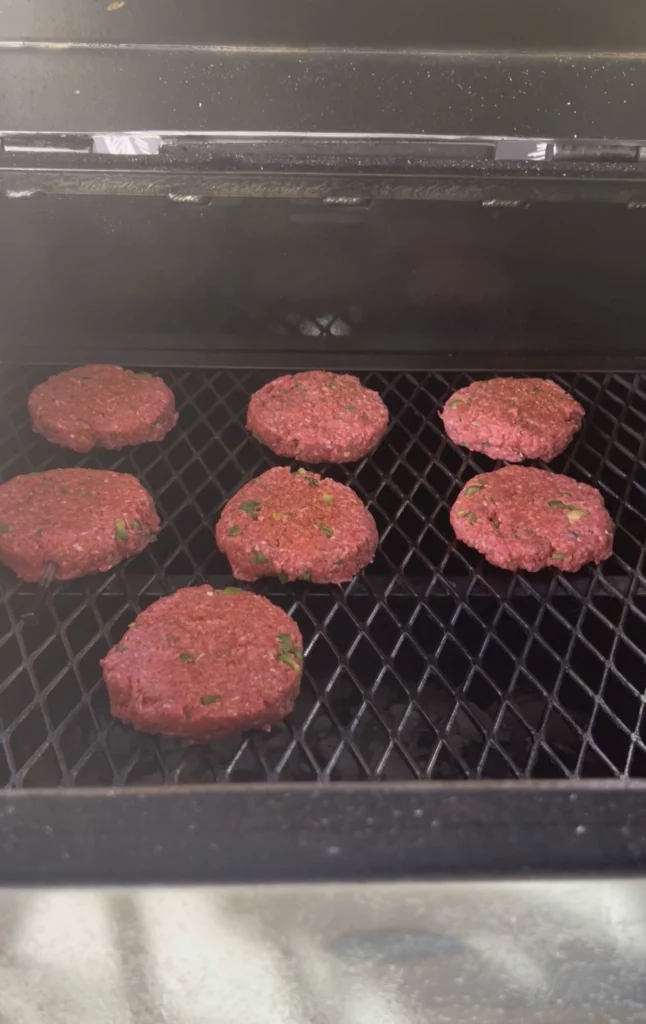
432 664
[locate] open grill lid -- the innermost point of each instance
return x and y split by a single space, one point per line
537 92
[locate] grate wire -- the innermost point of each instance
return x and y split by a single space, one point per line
430 665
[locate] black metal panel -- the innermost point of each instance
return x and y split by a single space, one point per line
431 664
195 90
312 833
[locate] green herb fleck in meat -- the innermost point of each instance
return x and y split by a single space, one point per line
211 698
234 531
573 513
558 556
469 516
143 373
137 525
306 577
456 401
251 507
121 648
120 529
472 488
170 639
281 517
186 656
232 590
6 527
327 530
288 653
331 383
283 577
257 558
351 408
486 444
38 533
327 499
63 490
257 438
310 479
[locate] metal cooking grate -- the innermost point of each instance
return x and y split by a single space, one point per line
432 664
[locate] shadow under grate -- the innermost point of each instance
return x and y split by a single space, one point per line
431 664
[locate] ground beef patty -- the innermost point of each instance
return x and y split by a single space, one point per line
513 418
297 526
102 407
318 417
82 520
519 517
204 664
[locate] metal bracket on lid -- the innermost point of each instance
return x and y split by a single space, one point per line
597 152
47 142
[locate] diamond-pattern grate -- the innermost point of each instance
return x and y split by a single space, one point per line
432 664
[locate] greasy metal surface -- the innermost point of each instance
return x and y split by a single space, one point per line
544 952
430 665
147 88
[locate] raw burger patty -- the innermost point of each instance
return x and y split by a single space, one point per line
206 663
524 518
83 520
318 417
513 418
296 526
102 407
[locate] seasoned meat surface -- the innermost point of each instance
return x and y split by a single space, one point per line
205 664
513 418
519 517
102 406
318 417
82 520
296 525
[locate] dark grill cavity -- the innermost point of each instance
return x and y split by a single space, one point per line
431 664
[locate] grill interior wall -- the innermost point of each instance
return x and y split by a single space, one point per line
115 274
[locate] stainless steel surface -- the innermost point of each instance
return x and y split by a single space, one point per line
552 952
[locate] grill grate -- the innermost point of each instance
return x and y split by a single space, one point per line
432 664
